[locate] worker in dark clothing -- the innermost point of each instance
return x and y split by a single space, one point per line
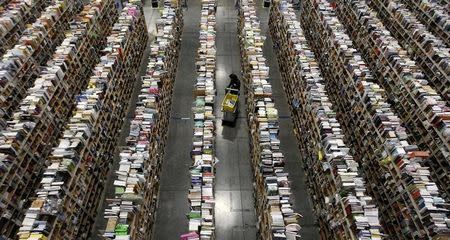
234 82
237 4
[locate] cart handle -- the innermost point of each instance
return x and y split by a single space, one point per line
232 90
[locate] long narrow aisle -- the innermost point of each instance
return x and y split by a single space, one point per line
151 15
301 199
171 220
235 210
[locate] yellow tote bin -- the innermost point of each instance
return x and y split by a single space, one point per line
229 103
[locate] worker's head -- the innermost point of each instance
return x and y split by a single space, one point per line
233 76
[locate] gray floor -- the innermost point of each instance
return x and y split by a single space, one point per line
235 214
150 18
171 219
301 200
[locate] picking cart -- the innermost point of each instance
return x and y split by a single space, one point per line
230 103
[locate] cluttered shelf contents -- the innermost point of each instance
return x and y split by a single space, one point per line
28 140
131 214
3 3
21 65
420 107
429 52
334 177
445 4
276 216
202 172
80 163
14 18
434 15
410 203
367 85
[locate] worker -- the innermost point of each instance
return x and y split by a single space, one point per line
119 5
234 82
237 4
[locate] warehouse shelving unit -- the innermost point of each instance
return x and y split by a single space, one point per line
27 142
132 212
434 15
344 208
346 136
410 204
21 65
79 164
276 217
429 52
3 3
201 194
424 112
14 18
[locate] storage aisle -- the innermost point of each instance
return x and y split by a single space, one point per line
301 199
235 211
171 220
151 15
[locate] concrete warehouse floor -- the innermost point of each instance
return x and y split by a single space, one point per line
235 213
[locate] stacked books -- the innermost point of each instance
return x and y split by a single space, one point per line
201 193
3 3
409 201
344 208
14 18
36 125
20 65
426 114
74 180
131 214
429 52
434 15
276 217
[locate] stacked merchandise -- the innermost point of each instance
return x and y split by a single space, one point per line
68 196
434 15
131 214
37 124
276 217
445 4
344 209
409 201
3 3
431 54
425 113
20 65
201 194
14 18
